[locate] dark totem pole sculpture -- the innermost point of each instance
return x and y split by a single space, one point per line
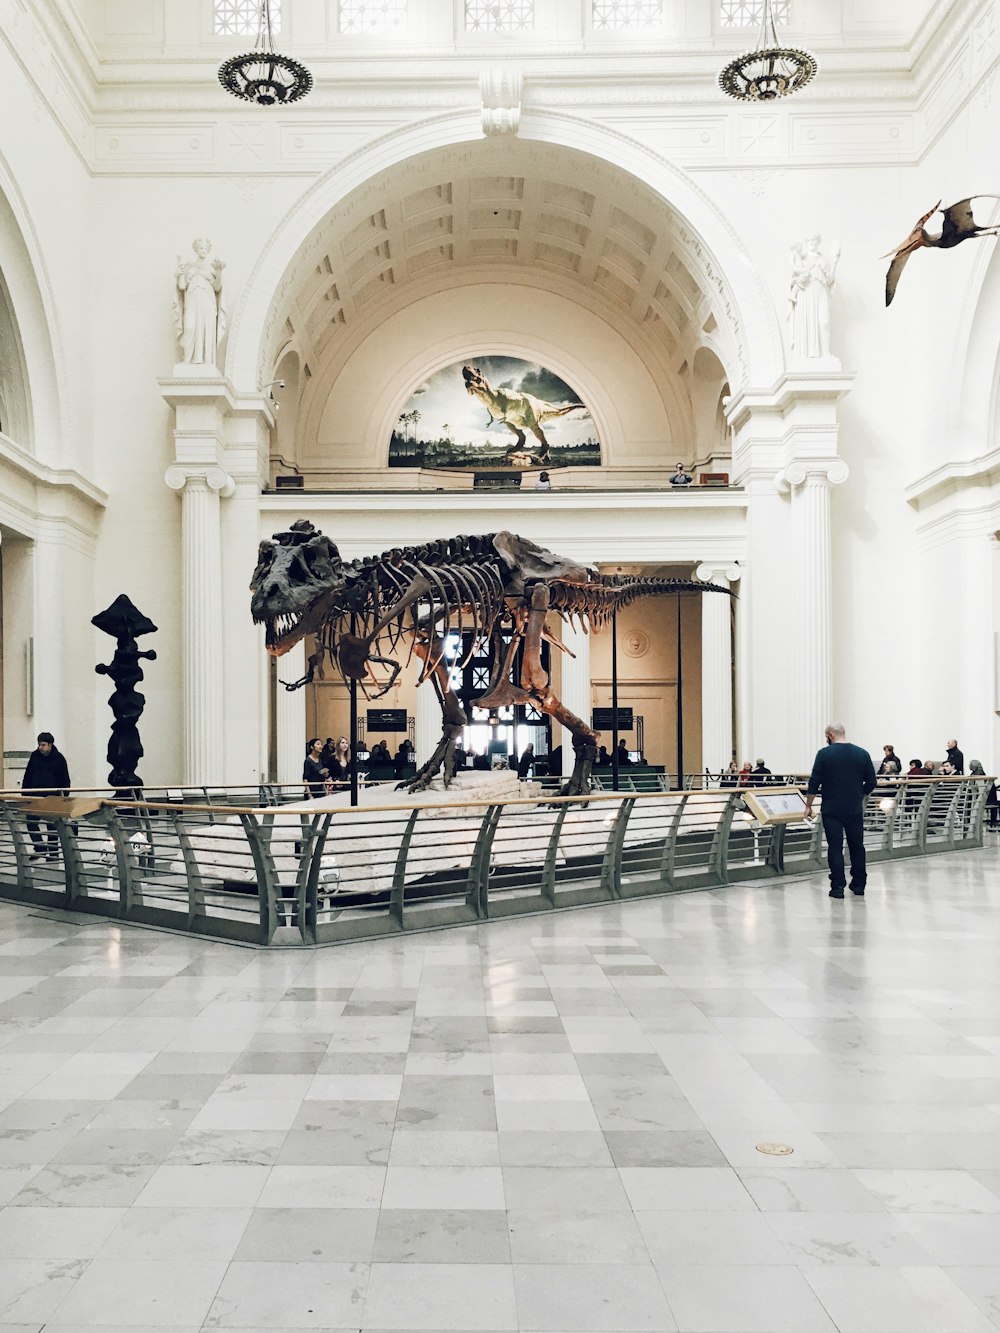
125 623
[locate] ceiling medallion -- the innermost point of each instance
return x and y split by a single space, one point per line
263 76
769 70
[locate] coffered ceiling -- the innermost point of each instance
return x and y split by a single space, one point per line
523 211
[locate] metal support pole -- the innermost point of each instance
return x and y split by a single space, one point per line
354 724
614 699
680 702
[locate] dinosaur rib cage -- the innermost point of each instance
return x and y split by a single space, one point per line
465 592
460 597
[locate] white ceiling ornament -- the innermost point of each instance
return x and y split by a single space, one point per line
500 90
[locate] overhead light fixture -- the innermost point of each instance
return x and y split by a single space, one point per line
768 71
263 76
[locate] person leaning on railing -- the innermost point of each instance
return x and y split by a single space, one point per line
46 773
976 770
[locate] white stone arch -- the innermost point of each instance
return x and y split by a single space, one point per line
710 241
975 363
33 312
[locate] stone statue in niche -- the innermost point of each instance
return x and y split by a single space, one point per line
200 314
813 276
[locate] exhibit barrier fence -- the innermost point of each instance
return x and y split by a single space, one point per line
309 874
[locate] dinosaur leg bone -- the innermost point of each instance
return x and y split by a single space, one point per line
500 692
584 741
453 721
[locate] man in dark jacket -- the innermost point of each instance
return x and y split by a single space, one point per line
956 758
46 773
843 774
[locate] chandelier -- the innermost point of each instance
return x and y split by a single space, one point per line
263 76
769 70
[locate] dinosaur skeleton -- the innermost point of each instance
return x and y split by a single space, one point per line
497 588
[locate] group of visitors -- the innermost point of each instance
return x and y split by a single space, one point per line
330 764
953 764
750 775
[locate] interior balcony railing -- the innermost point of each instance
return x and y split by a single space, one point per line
299 875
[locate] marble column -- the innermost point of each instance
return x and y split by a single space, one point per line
717 667
809 483
575 693
290 716
427 723
201 617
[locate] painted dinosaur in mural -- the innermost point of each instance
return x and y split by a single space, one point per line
517 411
381 610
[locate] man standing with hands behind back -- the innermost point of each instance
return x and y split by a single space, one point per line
843 774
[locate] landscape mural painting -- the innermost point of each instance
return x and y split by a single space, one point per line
494 412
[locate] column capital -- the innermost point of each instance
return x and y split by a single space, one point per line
718 571
827 471
178 475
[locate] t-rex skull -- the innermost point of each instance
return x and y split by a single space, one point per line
298 576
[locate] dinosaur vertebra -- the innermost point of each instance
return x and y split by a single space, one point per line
491 586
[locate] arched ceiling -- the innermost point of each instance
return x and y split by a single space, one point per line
502 209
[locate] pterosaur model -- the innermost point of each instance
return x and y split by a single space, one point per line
497 589
959 225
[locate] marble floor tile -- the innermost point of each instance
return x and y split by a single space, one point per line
112 1186
685 1189
451 1187
954 1238
543 1125
227 1185
896 1300
143 1291
564 1188
711 1298
868 1239
31 1290
56 1233
441 1297
822 1191
322 1187
309 1235
197 1234
421 1147
929 1191
593 1296
686 1237
575 1236
290 1295
442 1236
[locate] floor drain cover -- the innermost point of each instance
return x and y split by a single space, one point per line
775 1149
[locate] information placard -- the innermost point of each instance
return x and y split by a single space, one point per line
776 805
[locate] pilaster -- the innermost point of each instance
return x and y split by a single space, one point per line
717 667
426 724
221 449
290 716
576 693
785 443
201 601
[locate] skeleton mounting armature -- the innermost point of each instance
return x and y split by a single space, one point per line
497 588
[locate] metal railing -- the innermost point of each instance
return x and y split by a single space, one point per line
304 874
